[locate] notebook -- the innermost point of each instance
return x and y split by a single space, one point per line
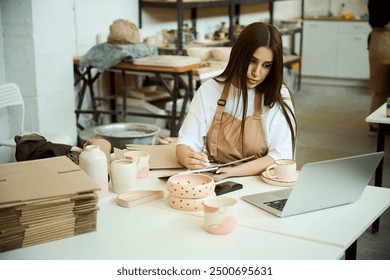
321 185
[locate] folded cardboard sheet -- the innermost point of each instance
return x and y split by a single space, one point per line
161 156
44 178
45 200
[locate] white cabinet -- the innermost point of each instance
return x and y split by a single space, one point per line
352 53
319 48
335 49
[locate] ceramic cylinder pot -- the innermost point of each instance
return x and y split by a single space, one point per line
123 175
220 215
94 162
141 158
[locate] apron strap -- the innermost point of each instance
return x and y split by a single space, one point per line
258 104
218 121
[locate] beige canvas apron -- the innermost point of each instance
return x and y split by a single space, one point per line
380 49
224 141
379 73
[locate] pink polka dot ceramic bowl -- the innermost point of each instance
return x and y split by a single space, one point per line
191 186
186 204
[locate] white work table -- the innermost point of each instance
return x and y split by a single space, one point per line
148 233
339 226
156 231
379 116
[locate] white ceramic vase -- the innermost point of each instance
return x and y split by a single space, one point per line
94 162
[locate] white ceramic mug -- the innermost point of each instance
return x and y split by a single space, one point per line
284 169
123 175
220 215
141 158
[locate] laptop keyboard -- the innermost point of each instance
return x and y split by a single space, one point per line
277 204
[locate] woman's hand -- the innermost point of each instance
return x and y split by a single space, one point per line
197 160
191 159
250 168
223 173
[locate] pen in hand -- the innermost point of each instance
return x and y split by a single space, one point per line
204 148
201 156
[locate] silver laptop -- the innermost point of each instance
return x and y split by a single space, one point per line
321 185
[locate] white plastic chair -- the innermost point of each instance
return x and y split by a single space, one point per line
11 98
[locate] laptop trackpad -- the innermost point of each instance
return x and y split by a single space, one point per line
279 194
261 198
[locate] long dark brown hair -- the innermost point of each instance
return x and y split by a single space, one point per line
252 37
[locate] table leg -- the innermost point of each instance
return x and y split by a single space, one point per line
175 96
91 80
175 122
114 117
174 92
187 98
124 98
380 146
379 170
87 79
351 252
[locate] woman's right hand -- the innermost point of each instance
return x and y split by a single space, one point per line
191 159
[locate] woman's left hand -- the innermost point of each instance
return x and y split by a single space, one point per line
222 173
250 168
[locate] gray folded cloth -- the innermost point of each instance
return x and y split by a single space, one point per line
104 56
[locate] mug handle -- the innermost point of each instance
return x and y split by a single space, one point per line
267 170
133 158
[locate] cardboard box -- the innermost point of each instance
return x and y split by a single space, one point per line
44 200
44 178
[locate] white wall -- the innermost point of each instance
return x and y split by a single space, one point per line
38 48
2 66
3 121
92 17
53 46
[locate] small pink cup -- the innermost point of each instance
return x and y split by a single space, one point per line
220 214
284 169
141 158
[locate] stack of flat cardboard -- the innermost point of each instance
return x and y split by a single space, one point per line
44 200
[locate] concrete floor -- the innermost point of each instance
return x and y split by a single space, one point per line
331 124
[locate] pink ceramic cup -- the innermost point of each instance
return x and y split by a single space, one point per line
220 214
141 158
284 169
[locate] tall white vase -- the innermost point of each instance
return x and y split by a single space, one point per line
94 162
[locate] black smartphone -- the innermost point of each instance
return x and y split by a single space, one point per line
226 187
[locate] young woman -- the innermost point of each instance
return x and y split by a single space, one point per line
245 111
